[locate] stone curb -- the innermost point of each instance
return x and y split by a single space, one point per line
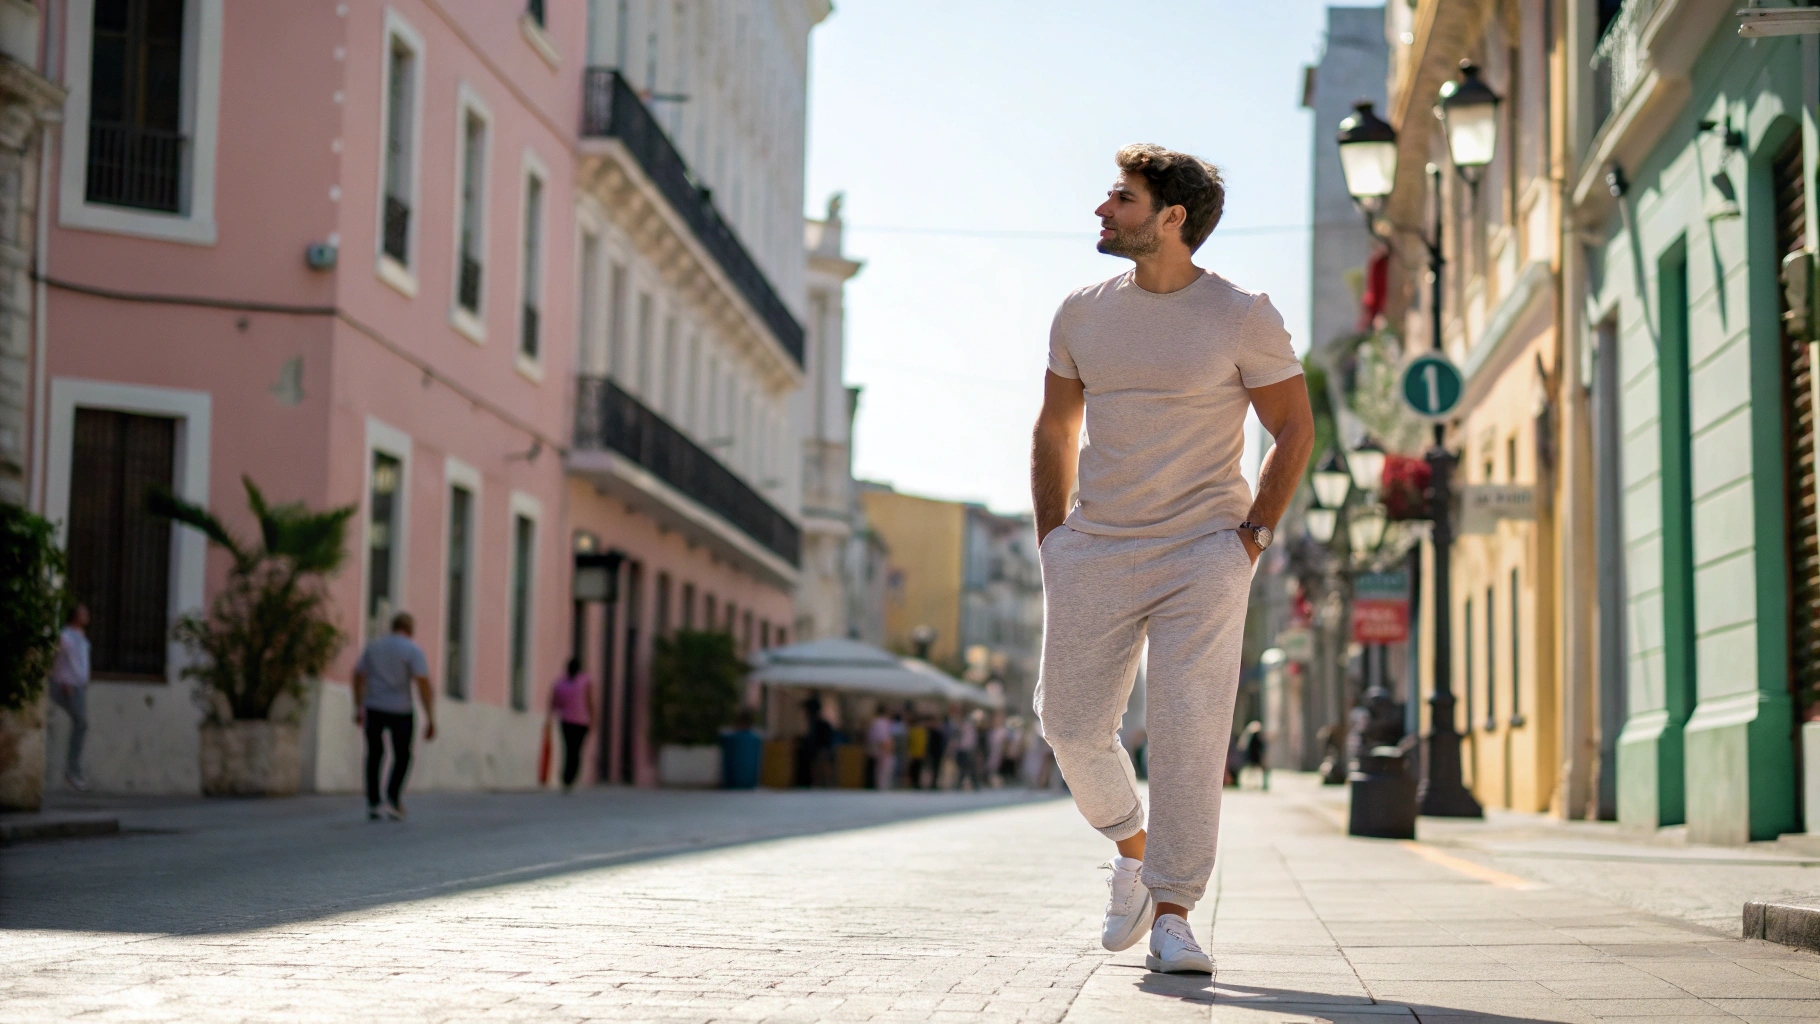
1788 922
12 832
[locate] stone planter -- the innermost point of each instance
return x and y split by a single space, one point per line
690 767
22 757
252 759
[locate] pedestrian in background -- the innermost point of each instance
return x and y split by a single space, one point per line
967 753
572 708
1254 753
916 749
900 750
383 678
878 747
69 690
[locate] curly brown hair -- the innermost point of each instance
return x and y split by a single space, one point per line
1179 179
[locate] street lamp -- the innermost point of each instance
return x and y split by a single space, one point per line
1366 528
1469 112
1321 523
1367 464
1331 481
1368 154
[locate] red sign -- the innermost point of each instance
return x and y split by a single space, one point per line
1380 620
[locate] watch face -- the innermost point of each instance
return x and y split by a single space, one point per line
1262 536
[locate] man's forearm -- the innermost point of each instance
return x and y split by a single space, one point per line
1053 462
1279 475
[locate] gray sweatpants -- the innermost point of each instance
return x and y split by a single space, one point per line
1102 596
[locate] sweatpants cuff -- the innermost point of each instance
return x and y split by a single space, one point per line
1171 896
1126 827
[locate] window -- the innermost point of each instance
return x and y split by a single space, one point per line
589 352
119 553
1466 650
460 582
384 514
662 597
616 322
745 632
708 617
645 314
671 377
534 11
1491 658
688 606
471 213
135 138
532 274
524 551
398 172
1516 655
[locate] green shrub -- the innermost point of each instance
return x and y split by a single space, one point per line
697 685
32 603
270 629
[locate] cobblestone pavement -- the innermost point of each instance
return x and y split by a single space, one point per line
627 906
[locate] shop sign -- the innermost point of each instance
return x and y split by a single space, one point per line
1482 506
1297 643
1380 608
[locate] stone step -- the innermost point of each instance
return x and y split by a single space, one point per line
1790 922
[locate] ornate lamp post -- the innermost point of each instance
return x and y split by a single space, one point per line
1468 110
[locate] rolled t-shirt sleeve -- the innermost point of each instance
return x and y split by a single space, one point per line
1061 361
420 666
1265 354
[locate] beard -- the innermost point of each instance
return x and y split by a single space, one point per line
1134 243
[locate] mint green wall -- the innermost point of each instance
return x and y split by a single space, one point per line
1731 747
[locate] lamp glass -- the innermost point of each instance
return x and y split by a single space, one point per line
1472 134
1321 523
1367 465
1370 168
1331 487
1366 528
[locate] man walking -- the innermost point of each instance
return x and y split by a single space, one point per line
383 678
69 690
1161 363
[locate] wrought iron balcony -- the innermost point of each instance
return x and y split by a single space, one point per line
606 417
137 167
1617 61
612 109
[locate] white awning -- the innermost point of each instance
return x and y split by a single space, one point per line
854 667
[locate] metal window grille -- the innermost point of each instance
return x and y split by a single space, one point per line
119 553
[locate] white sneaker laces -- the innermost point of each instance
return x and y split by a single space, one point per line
1177 929
1112 887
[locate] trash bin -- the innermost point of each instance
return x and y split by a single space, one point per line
741 750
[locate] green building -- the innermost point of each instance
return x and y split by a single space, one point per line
1692 195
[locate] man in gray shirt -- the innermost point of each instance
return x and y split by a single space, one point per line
383 678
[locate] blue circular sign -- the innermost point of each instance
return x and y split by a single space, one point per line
1431 385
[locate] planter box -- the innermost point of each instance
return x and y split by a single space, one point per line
22 757
252 759
691 767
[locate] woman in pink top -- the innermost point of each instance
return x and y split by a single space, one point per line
572 704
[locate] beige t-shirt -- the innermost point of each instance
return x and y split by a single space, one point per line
1166 378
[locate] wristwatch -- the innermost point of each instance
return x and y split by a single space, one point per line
1260 535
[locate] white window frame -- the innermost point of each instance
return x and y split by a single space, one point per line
383 437
521 504
456 473
192 410
201 112
531 367
401 276
468 102
591 296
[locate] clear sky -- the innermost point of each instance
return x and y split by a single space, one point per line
973 139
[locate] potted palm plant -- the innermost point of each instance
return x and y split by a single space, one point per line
695 692
31 611
268 632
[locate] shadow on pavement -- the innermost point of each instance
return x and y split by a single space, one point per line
1282 1004
212 866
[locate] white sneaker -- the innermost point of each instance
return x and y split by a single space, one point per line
1173 949
76 782
1130 908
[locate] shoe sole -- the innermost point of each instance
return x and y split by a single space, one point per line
1140 927
1155 963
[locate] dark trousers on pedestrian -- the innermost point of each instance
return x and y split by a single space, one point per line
401 727
573 734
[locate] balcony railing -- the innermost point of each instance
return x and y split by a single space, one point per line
137 167
606 417
611 108
1617 62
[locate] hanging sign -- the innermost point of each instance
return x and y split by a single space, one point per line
1431 385
1482 506
1380 607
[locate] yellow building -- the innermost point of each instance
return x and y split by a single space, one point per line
927 541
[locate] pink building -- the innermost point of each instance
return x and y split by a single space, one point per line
440 259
